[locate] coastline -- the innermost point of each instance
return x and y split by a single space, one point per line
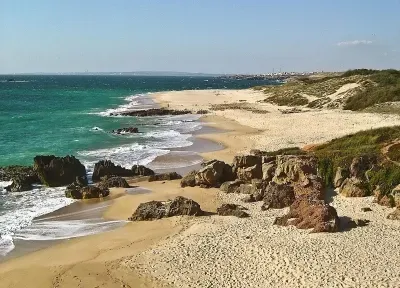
134 252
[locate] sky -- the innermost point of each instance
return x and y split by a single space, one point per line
210 36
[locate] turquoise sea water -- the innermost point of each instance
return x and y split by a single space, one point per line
71 115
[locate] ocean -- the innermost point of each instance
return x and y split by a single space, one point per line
70 115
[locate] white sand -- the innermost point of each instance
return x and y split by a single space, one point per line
231 252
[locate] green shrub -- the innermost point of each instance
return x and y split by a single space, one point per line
394 152
287 151
386 176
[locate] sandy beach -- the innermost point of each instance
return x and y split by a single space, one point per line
215 251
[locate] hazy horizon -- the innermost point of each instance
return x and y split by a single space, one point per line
208 37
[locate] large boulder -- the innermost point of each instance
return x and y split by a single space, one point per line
109 182
395 215
140 170
243 161
340 176
293 168
231 186
189 180
108 168
232 210
165 177
353 187
360 165
309 213
58 171
214 173
277 196
157 209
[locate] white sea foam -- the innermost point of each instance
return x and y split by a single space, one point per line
96 129
20 208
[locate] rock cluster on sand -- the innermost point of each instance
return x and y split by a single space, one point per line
165 177
108 168
232 210
158 209
140 170
129 130
116 181
58 171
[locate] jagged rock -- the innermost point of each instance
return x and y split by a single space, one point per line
386 200
311 213
246 189
311 185
152 112
165 177
248 173
246 161
340 176
360 165
232 210
128 130
58 171
268 171
140 170
189 180
395 215
353 187
157 209
277 196
214 173
366 209
256 152
76 191
108 168
231 186
109 182
293 168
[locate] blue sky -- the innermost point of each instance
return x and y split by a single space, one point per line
214 36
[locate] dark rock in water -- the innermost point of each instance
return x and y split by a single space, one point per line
157 209
11 80
109 182
58 171
21 183
277 196
232 210
214 173
311 213
140 170
189 180
129 130
108 168
153 112
231 186
165 177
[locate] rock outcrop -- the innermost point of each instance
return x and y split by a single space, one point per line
157 209
108 168
340 176
277 196
58 171
9 173
165 177
21 183
247 167
152 112
189 180
231 186
109 182
140 170
78 190
232 210
309 213
214 173
294 168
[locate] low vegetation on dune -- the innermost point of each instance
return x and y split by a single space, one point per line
340 153
353 90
